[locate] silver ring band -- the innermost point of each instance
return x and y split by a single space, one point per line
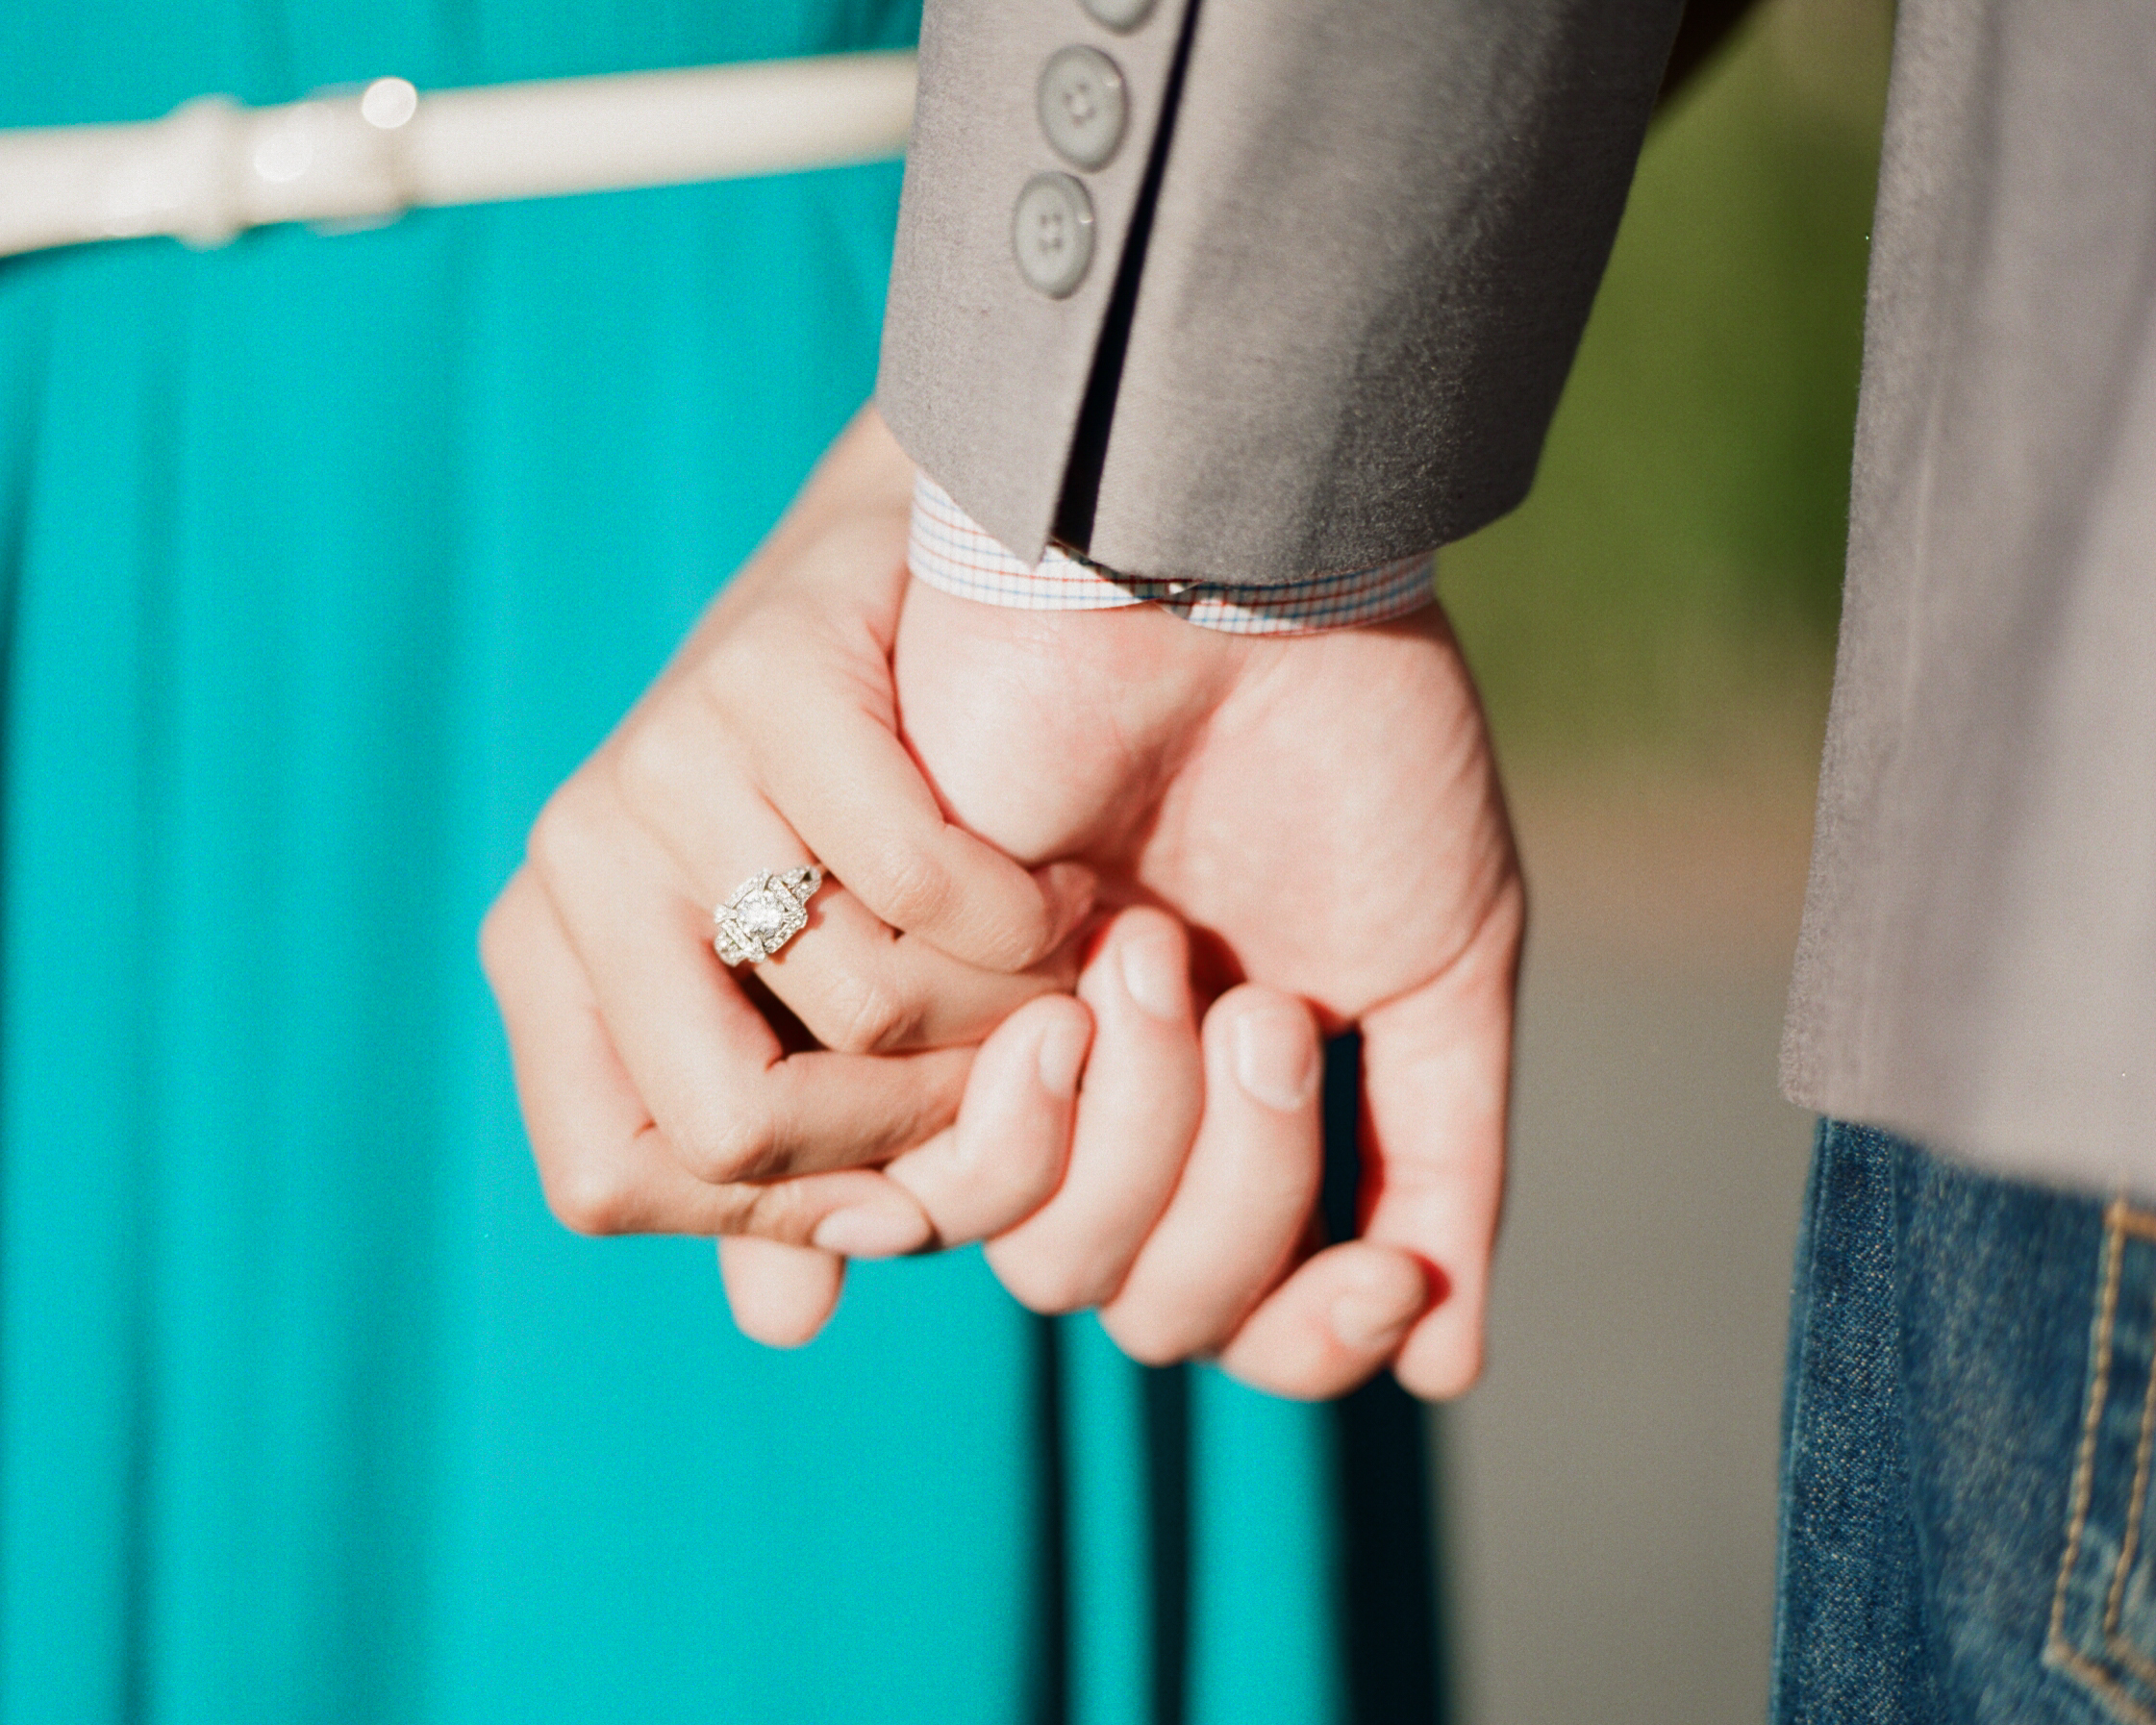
765 911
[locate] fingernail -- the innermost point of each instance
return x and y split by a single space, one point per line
872 1230
1276 1057
1063 1051
1153 975
1366 1323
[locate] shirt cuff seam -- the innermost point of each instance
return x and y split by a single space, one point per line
949 550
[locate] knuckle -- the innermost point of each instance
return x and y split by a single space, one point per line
913 890
498 939
734 676
1022 1176
866 1013
776 1211
1295 1379
737 1208
565 833
648 762
1049 1287
591 1198
729 1150
1148 1337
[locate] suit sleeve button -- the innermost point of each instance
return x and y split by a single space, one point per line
1052 232
1082 105
1119 15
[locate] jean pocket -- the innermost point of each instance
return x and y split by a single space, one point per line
2104 1611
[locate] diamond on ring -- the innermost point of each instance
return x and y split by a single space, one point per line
765 911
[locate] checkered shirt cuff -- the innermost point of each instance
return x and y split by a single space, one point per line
949 550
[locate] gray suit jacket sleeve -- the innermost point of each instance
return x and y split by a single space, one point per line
1341 259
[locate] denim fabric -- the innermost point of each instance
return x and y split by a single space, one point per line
1969 1428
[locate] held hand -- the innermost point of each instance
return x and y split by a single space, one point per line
664 1092
1324 809
1194 1168
661 1098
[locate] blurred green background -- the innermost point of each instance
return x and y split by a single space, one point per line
1654 634
1671 585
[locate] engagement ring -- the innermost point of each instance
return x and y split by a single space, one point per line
765 911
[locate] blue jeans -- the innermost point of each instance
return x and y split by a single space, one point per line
1967 1453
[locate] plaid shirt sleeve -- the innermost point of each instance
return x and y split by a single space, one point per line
949 550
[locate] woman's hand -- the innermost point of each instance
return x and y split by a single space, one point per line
664 1092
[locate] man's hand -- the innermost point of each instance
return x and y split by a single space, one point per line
1323 811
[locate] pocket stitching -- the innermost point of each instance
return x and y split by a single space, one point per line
2116 1645
2120 1220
